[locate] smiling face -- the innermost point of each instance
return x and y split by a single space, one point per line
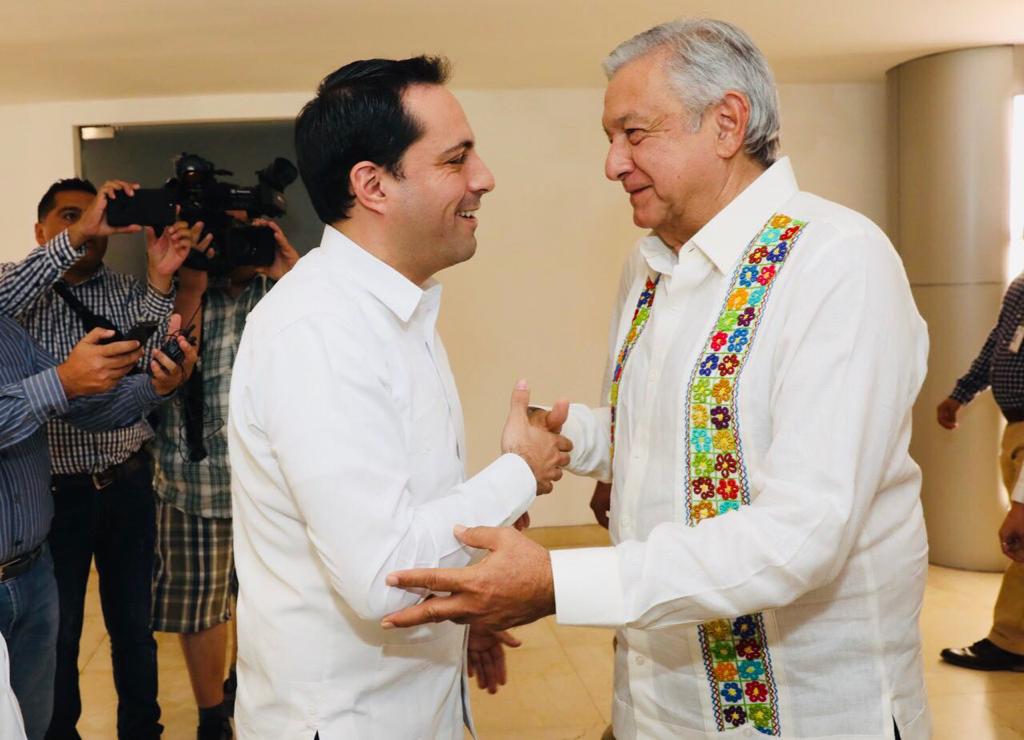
69 205
433 205
669 171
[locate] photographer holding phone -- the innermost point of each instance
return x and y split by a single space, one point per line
102 481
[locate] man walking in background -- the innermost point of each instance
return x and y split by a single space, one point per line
999 365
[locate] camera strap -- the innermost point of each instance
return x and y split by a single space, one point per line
90 319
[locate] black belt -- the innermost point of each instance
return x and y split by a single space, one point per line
17 566
1013 415
104 478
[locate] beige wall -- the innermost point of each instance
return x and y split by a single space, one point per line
536 299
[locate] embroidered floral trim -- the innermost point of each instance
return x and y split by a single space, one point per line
735 652
640 316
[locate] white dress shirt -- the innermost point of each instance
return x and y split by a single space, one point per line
832 547
347 449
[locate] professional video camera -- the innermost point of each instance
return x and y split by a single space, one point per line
196 190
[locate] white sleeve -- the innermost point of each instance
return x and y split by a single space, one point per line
339 442
849 366
590 429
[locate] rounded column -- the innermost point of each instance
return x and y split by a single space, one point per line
949 182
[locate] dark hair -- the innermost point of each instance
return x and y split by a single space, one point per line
49 199
357 115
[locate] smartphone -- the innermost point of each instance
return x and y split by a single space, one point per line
141 333
148 207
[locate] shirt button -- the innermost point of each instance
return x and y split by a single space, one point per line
639 660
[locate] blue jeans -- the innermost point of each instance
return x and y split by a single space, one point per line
28 621
117 524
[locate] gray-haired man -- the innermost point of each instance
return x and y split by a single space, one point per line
770 549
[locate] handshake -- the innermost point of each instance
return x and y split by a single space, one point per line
534 435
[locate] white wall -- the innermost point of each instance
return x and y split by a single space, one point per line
535 300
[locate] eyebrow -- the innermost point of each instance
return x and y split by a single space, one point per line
467 144
69 209
620 122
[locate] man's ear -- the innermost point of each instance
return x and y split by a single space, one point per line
40 239
730 116
367 182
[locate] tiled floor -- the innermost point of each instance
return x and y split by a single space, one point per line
560 680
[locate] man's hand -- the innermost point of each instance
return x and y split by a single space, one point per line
485 657
167 253
947 412
95 368
543 449
167 375
1011 534
601 502
285 256
94 221
512 585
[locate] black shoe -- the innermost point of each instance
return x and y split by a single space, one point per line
984 655
214 731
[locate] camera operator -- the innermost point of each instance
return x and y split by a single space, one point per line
102 481
194 582
90 391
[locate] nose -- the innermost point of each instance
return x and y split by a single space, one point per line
482 180
618 163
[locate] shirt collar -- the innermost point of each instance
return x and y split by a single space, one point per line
376 277
726 235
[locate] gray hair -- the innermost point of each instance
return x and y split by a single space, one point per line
706 59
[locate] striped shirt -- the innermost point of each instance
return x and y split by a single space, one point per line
26 294
30 396
204 488
996 365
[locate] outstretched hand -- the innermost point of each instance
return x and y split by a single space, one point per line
541 446
510 586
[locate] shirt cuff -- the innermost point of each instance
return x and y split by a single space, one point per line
62 255
512 481
156 304
962 395
45 395
588 430
146 394
588 588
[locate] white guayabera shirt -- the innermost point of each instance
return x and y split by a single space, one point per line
347 446
832 547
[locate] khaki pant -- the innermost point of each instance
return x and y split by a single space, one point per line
1008 618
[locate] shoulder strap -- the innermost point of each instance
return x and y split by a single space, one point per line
90 319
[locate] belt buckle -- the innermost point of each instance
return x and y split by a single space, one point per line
3 572
102 480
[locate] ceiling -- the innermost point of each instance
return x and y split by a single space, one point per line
64 50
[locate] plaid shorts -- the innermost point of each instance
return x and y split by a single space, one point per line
194 581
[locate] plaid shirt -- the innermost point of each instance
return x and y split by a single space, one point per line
204 488
25 294
996 365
